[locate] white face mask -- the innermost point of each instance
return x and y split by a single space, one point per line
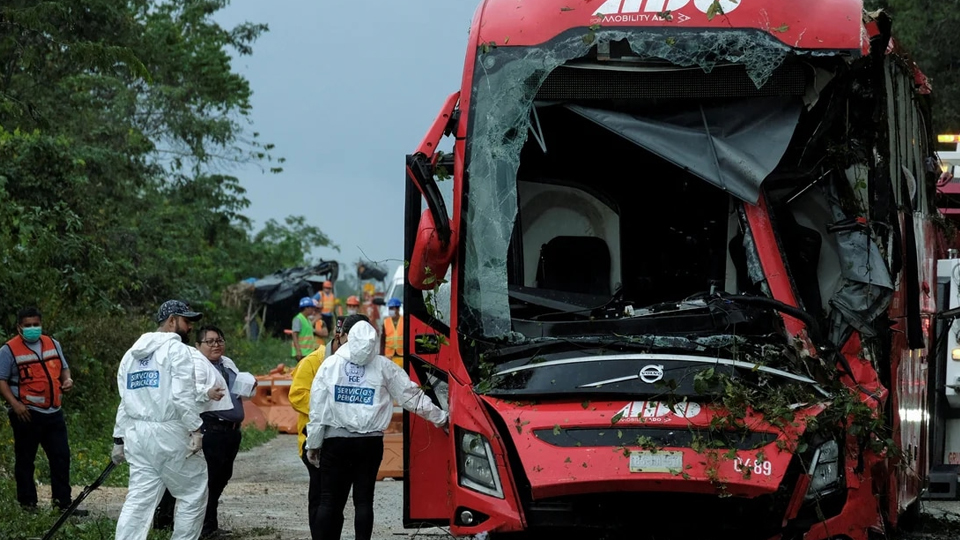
394 312
351 311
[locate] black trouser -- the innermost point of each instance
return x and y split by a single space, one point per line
313 494
346 462
220 447
50 432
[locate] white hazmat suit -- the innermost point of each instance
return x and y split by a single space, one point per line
158 410
209 377
354 390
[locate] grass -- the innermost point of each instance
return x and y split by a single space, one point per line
253 437
259 357
90 453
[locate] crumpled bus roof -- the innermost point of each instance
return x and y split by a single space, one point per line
834 25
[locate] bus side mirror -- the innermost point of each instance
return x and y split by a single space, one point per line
431 254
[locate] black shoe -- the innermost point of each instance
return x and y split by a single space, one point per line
29 508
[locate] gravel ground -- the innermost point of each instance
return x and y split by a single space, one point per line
266 499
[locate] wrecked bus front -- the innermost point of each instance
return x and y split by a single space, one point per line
685 258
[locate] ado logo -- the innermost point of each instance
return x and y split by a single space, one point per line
649 10
658 411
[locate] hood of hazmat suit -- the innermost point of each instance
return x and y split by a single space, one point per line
158 410
355 388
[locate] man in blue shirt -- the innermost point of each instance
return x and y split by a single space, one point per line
33 376
221 438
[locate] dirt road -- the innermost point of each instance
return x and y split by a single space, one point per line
267 498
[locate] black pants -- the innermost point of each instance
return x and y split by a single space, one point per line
220 447
48 431
313 495
346 462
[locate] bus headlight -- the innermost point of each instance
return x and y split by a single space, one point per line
825 470
477 469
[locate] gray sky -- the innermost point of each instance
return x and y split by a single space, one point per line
345 90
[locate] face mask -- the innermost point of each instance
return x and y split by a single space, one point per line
394 312
351 311
32 333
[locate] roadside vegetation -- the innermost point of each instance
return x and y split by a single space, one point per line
120 122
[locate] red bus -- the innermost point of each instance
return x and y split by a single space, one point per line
674 278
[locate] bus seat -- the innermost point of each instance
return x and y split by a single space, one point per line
579 264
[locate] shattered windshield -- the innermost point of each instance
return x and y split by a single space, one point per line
573 233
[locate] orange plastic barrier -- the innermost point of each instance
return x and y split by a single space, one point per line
270 404
392 464
271 399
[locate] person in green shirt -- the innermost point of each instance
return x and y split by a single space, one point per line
302 330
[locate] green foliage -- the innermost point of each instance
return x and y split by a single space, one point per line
117 122
259 357
925 30
253 437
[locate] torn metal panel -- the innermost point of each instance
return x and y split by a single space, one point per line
746 139
866 285
505 85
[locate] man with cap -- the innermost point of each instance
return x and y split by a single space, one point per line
302 330
157 428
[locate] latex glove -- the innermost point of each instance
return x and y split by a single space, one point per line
313 456
196 442
117 456
216 393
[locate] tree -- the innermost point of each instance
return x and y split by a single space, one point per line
925 30
118 122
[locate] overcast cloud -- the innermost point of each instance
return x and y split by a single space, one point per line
345 90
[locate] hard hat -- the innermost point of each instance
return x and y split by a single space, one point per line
306 302
327 284
353 301
393 302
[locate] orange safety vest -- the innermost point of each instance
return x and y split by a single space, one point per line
393 344
328 301
39 383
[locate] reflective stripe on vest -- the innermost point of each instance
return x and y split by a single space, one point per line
328 301
304 338
393 344
39 383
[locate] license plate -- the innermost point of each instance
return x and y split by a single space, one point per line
656 461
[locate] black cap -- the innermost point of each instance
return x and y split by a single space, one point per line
178 308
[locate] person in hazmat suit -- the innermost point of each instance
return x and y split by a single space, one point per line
157 429
211 388
351 404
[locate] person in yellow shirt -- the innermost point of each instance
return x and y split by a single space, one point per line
299 396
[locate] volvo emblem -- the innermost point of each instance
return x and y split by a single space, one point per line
651 373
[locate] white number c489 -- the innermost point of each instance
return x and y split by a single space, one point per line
756 467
